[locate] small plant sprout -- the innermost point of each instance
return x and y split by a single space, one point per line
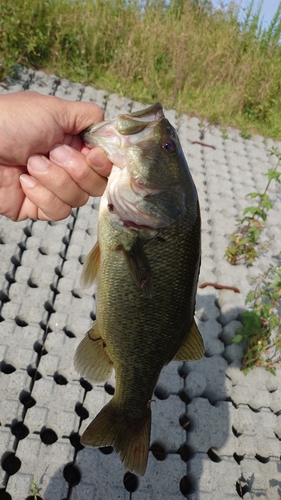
34 490
244 244
260 333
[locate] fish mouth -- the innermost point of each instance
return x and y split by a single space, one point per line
125 197
126 129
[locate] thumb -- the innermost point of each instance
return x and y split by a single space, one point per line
76 116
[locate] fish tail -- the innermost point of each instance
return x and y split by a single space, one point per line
129 438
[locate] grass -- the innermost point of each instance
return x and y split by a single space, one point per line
201 61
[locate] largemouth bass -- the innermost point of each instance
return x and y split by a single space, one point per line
146 263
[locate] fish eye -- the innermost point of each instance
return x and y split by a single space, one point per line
169 145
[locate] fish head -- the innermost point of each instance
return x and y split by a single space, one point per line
150 185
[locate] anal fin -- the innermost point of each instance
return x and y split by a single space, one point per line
91 359
193 346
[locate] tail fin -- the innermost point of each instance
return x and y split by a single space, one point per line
129 438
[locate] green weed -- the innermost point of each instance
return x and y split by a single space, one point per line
185 53
34 490
260 333
244 244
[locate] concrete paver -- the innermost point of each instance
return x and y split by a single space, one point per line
215 433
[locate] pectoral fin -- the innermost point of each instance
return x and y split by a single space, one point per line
91 359
139 266
193 346
91 267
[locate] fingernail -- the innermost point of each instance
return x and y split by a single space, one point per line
60 153
38 163
98 160
27 181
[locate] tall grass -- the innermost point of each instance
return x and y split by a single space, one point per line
184 53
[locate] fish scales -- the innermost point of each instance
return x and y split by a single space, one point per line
136 328
146 264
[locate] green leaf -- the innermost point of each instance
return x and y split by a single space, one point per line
237 339
250 297
250 210
272 174
271 370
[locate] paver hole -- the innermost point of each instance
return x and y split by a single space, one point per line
235 432
49 307
10 463
32 283
185 452
10 277
77 293
208 354
21 322
66 239
7 368
15 259
106 450
58 271
213 455
242 489
71 474
81 411
185 422
43 250
131 482
238 458
86 385
161 392
4 297
34 373
45 327
74 439
184 397
20 430
254 409
69 333
263 460
4 495
109 389
39 348
60 379
278 435
82 258
28 231
48 435
158 450
31 497
183 370
186 485
27 400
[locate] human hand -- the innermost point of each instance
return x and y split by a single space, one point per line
45 169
